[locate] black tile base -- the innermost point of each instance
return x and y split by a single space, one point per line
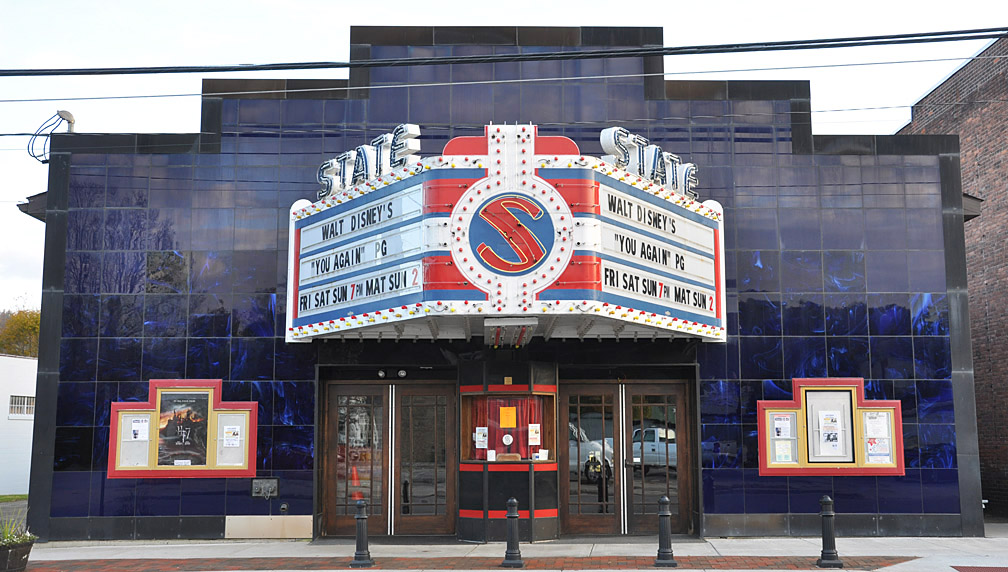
847 525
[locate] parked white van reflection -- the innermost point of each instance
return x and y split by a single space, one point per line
658 446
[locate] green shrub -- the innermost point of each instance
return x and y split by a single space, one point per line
12 532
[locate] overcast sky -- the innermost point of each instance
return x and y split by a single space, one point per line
845 98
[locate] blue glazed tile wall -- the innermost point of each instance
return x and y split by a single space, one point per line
173 272
858 292
175 267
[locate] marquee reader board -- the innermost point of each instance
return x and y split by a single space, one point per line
509 224
829 428
654 254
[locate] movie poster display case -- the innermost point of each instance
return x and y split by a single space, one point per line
508 437
829 428
183 430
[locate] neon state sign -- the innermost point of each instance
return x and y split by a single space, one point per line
386 152
514 225
637 155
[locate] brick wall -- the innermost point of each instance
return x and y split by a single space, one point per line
973 103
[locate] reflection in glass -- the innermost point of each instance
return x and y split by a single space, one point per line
423 454
590 438
653 453
358 454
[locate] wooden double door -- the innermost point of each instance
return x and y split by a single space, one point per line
393 446
628 445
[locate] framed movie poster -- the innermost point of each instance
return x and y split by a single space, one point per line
830 423
182 429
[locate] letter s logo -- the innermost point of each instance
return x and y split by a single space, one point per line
511 235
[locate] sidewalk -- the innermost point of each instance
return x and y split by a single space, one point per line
606 553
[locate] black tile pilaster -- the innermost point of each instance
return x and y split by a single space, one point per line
963 387
359 77
211 119
50 331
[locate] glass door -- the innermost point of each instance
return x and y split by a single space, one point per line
591 481
355 459
425 460
655 427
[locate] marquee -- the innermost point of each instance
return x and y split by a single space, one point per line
508 236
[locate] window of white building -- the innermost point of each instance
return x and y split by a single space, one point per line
21 406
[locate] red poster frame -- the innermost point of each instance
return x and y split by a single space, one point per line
835 469
252 407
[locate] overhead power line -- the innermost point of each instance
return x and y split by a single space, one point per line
861 41
491 81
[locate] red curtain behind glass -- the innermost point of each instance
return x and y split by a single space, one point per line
486 413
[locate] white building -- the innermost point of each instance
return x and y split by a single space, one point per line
17 396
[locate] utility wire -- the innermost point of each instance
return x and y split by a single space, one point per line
490 82
860 41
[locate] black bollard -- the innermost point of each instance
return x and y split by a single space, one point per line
829 557
665 557
362 557
512 556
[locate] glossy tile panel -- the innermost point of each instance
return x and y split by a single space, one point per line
759 314
804 357
73 449
803 314
78 359
930 314
165 315
252 358
123 272
75 403
760 357
84 229
208 358
293 403
112 497
802 271
166 272
846 314
765 494
719 402
844 271
847 357
71 493
889 314
125 229
210 315
932 358
80 315
758 271
724 491
121 315
293 447
891 357
82 273
164 358
119 359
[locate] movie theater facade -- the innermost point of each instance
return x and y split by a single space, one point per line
408 287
